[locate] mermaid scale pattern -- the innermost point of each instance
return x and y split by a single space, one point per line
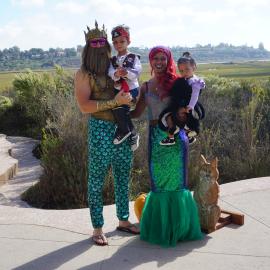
170 212
103 154
166 170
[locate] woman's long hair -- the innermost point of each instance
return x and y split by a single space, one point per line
96 60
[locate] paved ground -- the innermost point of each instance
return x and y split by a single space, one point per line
28 173
59 239
8 164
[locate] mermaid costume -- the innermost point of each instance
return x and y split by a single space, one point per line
170 212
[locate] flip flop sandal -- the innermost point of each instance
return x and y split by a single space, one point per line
100 240
128 229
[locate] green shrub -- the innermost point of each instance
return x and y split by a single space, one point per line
140 180
64 155
35 90
235 127
235 130
5 103
63 184
14 122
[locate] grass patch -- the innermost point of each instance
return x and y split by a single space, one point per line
7 77
245 70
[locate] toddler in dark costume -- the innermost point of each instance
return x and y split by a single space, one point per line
184 110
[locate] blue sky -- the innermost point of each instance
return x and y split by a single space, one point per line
51 23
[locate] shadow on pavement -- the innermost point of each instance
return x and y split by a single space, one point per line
137 252
129 255
56 258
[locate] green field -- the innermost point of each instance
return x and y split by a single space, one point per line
245 70
6 78
249 70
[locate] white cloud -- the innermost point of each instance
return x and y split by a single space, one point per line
151 22
37 31
214 16
250 3
71 7
10 31
28 3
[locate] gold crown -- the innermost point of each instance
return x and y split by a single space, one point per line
95 33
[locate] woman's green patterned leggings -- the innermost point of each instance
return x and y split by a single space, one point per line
103 154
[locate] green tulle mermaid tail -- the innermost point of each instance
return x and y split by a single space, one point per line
169 217
170 213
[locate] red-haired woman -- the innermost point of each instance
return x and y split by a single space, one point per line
170 212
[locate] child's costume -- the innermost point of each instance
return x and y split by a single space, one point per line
184 92
131 62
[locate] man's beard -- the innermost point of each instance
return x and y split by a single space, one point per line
99 60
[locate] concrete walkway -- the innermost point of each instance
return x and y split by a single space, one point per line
27 173
59 239
8 164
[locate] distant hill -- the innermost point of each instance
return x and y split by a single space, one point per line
36 58
209 54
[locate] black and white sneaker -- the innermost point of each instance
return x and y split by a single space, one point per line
119 138
191 140
167 141
134 141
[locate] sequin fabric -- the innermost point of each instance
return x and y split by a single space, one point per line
103 154
167 163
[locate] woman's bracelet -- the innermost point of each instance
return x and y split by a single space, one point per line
103 105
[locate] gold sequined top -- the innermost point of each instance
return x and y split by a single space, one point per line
102 89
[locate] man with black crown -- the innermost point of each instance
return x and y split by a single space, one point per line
95 96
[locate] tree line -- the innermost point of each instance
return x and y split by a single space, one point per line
36 58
